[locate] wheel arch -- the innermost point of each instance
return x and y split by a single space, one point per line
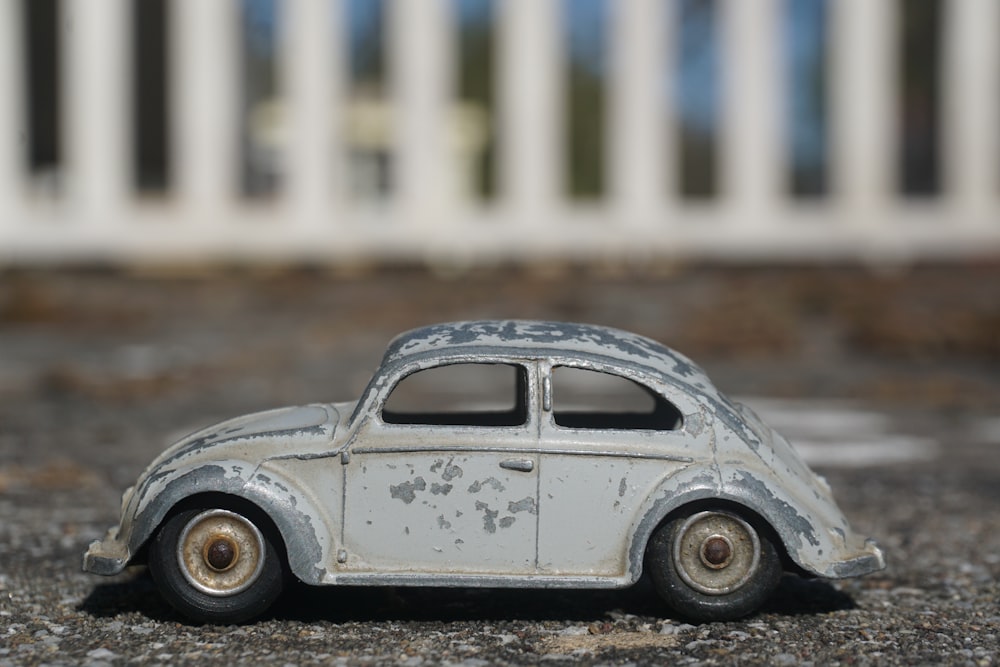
747 513
287 512
699 498
221 500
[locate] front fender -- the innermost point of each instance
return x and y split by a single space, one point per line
298 519
146 506
153 500
291 510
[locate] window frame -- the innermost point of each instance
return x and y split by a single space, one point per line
661 401
524 395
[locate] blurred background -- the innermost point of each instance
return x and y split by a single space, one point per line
464 132
212 207
253 196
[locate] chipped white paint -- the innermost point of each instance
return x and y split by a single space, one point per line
444 503
532 496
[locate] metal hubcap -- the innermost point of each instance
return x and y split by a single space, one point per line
716 552
220 552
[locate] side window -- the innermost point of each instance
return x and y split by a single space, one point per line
469 394
588 399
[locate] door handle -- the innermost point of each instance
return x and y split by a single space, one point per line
520 465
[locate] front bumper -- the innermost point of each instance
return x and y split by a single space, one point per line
108 556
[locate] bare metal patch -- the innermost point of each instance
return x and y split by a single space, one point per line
493 482
534 338
441 489
489 517
799 526
523 505
407 491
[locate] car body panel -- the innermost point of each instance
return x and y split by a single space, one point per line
454 510
587 473
222 459
360 501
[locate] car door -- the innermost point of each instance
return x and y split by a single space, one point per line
607 442
444 481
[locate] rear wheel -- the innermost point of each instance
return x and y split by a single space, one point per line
216 565
713 565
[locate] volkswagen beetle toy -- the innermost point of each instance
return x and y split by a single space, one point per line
493 454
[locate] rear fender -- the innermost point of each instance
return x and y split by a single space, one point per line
798 530
688 486
814 540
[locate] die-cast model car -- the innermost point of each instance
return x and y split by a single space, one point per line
492 454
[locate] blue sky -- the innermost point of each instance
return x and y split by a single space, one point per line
696 85
804 27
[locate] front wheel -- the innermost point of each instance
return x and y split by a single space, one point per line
216 566
713 565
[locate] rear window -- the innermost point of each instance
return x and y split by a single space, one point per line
590 399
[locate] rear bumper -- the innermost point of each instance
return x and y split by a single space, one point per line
872 559
107 556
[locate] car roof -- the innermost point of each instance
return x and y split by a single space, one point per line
543 339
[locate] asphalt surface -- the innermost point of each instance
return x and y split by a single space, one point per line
890 381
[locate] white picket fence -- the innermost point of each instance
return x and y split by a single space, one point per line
97 217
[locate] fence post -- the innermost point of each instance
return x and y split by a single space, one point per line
13 129
422 54
96 114
863 129
753 156
640 150
531 109
313 74
204 53
971 115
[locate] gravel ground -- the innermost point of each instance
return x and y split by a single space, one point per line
98 370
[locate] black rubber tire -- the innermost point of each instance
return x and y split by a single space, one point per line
201 607
691 604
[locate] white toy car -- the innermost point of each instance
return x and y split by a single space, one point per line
519 470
